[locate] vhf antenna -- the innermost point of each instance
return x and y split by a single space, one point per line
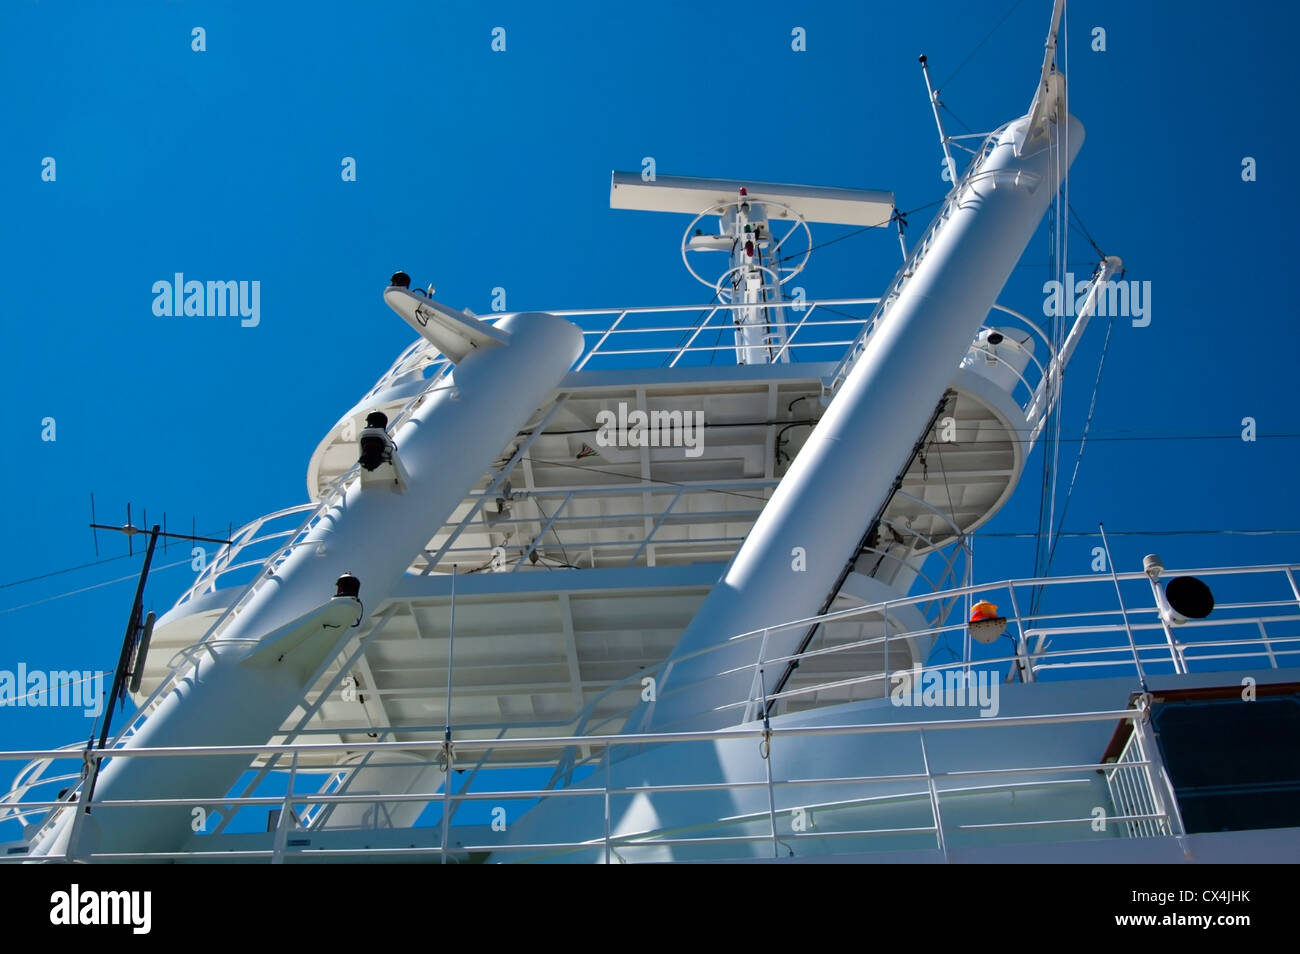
135 644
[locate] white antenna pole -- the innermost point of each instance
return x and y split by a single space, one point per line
1047 392
855 453
760 331
943 137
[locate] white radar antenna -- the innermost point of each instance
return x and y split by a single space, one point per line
760 262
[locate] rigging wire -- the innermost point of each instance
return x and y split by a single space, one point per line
866 228
1058 232
1089 437
963 63
93 586
1086 234
1001 534
686 335
1092 407
1005 439
73 569
960 123
1217 531
543 512
70 569
1091 264
37 693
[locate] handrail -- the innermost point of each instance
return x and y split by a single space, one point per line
1039 662
1078 653
420 356
957 782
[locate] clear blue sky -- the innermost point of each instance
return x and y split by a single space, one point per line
478 169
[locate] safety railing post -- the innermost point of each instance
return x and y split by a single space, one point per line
756 690
286 815
607 825
934 799
1022 642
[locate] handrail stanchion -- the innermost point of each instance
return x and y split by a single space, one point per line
934 799
884 614
755 685
1022 643
1268 646
286 815
607 761
657 524
686 347
596 347
789 339
765 750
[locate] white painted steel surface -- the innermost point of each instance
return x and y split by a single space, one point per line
808 530
446 445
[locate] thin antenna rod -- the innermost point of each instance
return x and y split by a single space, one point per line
117 694
943 138
1137 659
446 737
900 220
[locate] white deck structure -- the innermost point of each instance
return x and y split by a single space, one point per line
580 644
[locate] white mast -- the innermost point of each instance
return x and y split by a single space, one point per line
809 529
746 213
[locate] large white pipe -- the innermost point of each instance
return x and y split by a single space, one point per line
808 530
238 695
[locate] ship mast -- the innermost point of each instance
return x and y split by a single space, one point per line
763 228
937 303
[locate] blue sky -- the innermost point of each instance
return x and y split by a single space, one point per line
478 169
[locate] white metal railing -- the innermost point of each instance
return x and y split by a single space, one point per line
623 338
1130 792
1091 642
1109 638
653 333
1086 643
771 826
